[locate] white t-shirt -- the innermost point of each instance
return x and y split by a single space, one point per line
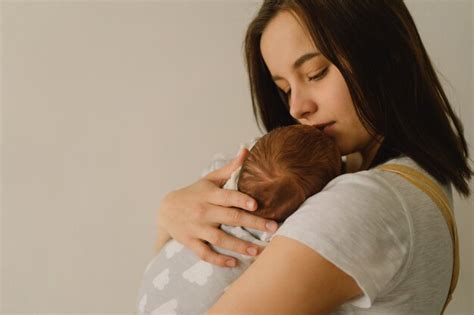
386 234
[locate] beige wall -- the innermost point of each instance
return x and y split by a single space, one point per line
107 105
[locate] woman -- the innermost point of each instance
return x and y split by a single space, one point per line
370 242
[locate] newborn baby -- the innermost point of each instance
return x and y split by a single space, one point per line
284 168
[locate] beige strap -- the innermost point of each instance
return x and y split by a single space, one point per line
436 194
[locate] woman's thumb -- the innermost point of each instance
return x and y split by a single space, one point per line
222 174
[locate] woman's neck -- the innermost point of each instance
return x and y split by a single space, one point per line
360 161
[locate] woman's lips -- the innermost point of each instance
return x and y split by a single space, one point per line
324 126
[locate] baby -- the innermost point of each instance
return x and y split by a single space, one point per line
284 168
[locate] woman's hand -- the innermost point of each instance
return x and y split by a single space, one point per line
192 216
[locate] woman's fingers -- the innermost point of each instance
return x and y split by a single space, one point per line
220 239
192 215
238 217
231 198
225 198
204 252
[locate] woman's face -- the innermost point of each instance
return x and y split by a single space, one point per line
318 94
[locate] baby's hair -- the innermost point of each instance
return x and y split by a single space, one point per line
286 166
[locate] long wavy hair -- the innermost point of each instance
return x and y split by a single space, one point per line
394 87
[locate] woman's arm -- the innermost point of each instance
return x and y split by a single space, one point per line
287 278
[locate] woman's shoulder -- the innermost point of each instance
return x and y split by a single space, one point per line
383 183
365 203
364 185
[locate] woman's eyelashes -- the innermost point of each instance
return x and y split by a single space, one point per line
319 75
316 77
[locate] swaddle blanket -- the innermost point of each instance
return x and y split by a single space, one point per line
176 281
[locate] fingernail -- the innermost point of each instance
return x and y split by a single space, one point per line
252 251
271 226
250 204
230 263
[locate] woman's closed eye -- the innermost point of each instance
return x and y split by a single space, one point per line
316 77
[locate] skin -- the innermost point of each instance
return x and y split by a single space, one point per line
287 276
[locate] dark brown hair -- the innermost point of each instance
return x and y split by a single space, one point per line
286 166
394 87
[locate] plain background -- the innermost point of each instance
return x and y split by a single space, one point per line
108 105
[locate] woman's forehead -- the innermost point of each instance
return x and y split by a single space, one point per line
285 31
284 40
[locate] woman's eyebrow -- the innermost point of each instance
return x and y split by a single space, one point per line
299 62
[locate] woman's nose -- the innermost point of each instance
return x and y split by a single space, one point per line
302 108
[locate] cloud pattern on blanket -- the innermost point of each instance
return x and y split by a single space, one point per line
198 273
201 282
162 279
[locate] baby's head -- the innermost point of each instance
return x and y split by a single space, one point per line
285 167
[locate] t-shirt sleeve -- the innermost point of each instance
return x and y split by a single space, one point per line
360 224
